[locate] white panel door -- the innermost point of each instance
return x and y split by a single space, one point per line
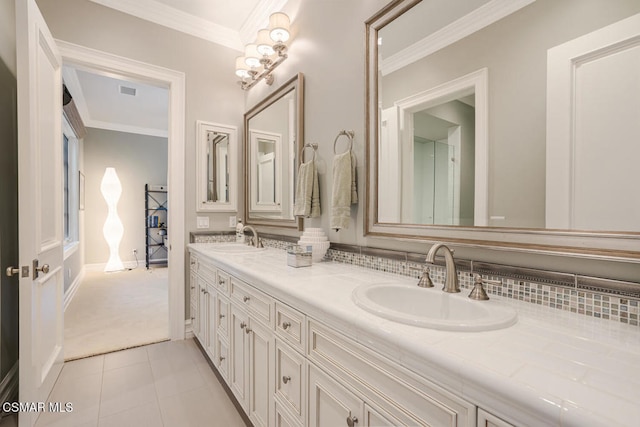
593 129
40 206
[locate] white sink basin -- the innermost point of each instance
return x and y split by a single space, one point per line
433 308
233 248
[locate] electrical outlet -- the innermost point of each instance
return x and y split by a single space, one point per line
232 221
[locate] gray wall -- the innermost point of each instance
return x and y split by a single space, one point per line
138 160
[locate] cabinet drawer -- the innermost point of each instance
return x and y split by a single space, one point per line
207 272
290 380
222 322
383 383
259 305
223 282
290 326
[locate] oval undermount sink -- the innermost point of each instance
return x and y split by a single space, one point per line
432 308
233 248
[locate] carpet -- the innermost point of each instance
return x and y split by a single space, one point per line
115 311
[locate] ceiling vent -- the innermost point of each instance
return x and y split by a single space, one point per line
125 90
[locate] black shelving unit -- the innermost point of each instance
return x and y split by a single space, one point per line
155 203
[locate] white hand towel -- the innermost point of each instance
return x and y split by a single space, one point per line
307 203
344 190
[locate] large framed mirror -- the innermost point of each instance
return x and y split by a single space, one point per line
506 125
273 140
217 154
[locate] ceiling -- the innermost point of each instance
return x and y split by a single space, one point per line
230 23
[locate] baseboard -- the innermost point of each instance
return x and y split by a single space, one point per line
71 291
101 266
9 385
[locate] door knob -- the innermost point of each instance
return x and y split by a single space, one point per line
39 269
24 271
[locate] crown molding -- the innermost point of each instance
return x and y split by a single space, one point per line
457 30
259 18
119 127
161 14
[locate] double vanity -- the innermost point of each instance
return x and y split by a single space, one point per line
335 344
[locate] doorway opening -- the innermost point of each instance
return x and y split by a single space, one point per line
147 296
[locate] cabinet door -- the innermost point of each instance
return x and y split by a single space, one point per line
222 316
239 342
202 312
260 373
290 379
486 419
210 330
222 358
193 291
330 404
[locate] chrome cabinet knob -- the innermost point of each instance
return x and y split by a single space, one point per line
352 421
243 325
248 330
286 379
246 299
286 325
221 358
221 316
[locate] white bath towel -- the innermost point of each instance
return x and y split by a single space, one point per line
344 189
307 202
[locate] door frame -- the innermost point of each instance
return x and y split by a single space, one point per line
174 81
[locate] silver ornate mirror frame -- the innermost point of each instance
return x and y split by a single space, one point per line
296 83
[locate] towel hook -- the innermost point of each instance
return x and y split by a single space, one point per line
312 145
349 134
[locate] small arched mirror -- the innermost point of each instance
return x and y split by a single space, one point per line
217 179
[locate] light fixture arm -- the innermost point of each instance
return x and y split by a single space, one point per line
266 73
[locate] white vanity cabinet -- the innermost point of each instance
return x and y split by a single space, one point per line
383 389
289 370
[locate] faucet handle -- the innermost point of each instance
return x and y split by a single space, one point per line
425 280
478 293
260 245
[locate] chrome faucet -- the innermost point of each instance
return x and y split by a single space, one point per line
255 240
451 278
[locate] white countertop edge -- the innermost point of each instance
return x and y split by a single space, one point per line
494 392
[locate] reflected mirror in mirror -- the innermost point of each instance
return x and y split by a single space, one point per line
216 155
217 167
273 137
531 172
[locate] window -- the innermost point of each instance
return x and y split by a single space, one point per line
70 179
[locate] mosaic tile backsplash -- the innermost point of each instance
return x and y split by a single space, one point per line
618 308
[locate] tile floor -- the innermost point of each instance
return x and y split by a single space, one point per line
164 384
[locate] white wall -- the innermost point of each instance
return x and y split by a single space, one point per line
138 160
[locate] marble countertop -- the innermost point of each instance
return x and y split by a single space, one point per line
551 368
